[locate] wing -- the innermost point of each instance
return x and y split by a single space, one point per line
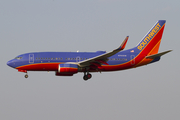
102 59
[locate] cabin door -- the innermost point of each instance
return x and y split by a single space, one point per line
31 58
132 59
78 59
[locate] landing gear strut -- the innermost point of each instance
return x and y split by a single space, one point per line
87 76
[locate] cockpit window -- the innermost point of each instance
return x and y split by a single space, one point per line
18 58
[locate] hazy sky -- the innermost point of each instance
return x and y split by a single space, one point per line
150 92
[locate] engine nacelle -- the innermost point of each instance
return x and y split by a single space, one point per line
67 69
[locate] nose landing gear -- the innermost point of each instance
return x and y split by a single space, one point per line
26 76
25 71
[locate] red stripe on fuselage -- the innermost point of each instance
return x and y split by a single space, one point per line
40 67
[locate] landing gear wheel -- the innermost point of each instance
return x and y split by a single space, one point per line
26 76
89 76
85 77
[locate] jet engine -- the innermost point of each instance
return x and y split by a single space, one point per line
67 69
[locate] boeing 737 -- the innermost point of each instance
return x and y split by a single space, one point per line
70 63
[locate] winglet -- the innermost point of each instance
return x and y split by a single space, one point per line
123 45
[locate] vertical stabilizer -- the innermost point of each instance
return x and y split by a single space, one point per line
151 42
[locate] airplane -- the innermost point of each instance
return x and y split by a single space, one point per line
70 63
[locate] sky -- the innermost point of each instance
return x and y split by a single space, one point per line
145 93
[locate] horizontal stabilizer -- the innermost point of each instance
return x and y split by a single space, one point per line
157 55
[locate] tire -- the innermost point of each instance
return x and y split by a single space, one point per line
85 77
26 76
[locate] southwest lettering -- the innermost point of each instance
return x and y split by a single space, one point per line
146 39
139 48
149 36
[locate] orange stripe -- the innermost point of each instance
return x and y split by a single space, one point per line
153 51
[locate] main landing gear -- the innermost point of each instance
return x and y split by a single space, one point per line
87 76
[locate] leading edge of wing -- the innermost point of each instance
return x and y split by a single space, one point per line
103 56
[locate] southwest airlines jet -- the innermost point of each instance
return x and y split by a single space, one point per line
70 63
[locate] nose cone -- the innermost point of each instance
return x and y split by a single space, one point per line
10 63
